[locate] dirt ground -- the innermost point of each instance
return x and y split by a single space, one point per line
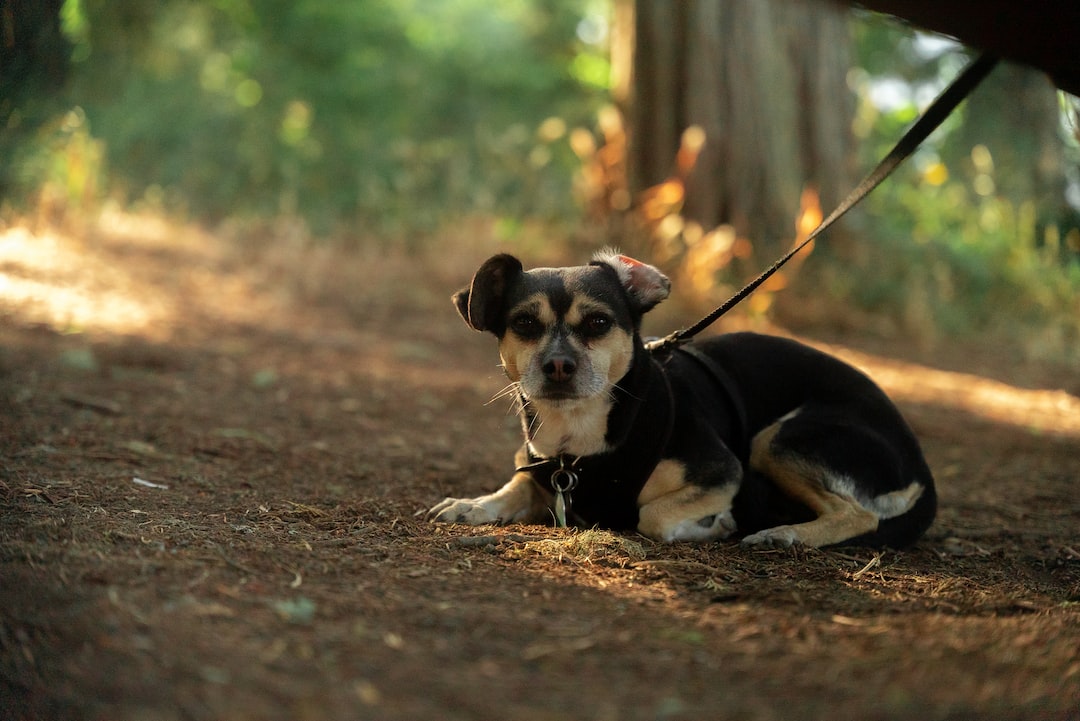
213 454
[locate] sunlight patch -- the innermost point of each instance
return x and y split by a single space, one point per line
588 546
49 280
1044 411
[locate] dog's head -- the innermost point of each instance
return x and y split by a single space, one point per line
565 334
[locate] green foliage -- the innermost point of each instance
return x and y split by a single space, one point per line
383 115
977 262
388 117
65 163
967 236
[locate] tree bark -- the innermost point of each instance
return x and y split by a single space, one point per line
33 51
766 80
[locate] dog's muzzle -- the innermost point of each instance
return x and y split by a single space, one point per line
560 365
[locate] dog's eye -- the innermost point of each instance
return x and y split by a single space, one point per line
526 325
596 324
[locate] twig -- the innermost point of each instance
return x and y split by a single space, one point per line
662 565
304 509
470 541
99 405
520 538
148 484
874 563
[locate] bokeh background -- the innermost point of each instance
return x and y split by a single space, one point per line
697 135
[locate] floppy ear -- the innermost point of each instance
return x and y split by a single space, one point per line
482 304
645 285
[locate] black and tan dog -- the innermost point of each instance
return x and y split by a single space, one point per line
738 433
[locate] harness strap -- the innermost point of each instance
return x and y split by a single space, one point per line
731 394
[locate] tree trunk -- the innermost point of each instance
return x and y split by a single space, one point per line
33 51
766 80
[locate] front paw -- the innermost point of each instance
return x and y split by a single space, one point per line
710 528
471 511
778 537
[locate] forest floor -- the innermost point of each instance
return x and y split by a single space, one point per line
213 455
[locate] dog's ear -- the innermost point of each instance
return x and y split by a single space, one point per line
645 285
482 304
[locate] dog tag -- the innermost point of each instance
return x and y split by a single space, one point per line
562 482
560 509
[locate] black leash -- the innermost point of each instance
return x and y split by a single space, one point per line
940 109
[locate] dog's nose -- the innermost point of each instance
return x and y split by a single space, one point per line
559 368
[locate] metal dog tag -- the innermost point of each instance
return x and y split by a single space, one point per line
562 482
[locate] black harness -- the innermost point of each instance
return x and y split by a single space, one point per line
740 440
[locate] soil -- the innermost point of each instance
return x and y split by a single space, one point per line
214 452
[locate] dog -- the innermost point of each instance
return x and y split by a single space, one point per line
741 433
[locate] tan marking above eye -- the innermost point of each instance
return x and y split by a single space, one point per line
581 308
536 304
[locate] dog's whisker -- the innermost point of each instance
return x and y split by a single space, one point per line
508 391
616 386
535 424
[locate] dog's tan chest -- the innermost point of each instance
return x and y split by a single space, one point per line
574 429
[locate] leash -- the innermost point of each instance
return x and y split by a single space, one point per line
940 109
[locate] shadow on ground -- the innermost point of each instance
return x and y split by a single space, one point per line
208 512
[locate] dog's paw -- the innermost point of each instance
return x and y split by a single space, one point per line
709 528
471 511
779 537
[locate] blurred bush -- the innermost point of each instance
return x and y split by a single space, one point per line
382 115
399 118
975 233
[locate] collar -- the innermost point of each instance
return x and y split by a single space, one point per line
562 480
